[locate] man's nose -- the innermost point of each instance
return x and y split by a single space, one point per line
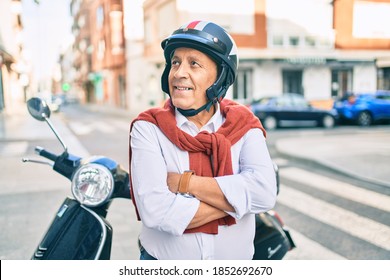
181 71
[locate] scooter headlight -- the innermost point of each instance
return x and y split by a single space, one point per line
92 184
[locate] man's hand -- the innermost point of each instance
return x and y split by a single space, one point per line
173 180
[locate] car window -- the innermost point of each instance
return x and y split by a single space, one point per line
383 97
264 101
299 101
283 101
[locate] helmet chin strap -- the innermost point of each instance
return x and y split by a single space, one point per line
193 112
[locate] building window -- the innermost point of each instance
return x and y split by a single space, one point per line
99 17
242 88
81 21
148 31
341 82
310 41
293 41
384 78
101 49
117 44
277 40
292 81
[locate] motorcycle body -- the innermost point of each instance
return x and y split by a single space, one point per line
79 229
76 233
272 239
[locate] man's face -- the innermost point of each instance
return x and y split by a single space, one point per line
192 73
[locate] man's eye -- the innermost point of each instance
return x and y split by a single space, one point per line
194 63
175 62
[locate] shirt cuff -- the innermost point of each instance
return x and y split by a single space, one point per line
180 215
237 198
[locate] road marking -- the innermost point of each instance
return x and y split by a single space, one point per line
103 127
79 128
349 222
122 125
308 249
339 188
280 162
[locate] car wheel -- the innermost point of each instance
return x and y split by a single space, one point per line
328 121
364 119
270 123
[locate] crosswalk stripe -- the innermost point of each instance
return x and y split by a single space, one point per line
122 125
103 127
308 249
338 188
349 222
79 128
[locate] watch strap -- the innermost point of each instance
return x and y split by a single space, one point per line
185 181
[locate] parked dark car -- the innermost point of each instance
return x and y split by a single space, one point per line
291 109
365 109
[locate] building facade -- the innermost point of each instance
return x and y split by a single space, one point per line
99 51
282 48
12 69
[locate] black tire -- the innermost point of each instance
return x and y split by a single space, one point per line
270 123
364 119
328 121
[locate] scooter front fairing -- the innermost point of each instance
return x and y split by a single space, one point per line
76 233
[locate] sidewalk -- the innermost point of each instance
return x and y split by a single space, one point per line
364 155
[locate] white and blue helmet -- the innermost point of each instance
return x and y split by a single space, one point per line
212 40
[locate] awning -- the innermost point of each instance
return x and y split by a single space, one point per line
383 62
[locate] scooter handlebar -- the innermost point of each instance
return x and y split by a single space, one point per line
42 152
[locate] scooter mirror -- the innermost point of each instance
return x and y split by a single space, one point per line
38 109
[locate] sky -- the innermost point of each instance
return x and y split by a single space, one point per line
47 31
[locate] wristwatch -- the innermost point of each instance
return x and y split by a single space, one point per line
184 182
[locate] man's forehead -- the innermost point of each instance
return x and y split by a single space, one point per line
189 52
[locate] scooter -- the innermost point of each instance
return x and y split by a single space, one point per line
272 238
80 231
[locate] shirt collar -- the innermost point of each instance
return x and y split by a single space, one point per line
212 125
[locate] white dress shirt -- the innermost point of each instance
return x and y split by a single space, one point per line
250 190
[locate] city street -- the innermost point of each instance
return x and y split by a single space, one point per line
332 213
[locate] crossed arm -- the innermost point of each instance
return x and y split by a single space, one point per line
213 202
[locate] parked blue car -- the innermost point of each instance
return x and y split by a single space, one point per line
293 110
365 109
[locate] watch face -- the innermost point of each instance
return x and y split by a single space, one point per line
188 195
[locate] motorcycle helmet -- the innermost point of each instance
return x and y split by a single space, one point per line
212 40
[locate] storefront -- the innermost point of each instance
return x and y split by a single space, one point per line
318 78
